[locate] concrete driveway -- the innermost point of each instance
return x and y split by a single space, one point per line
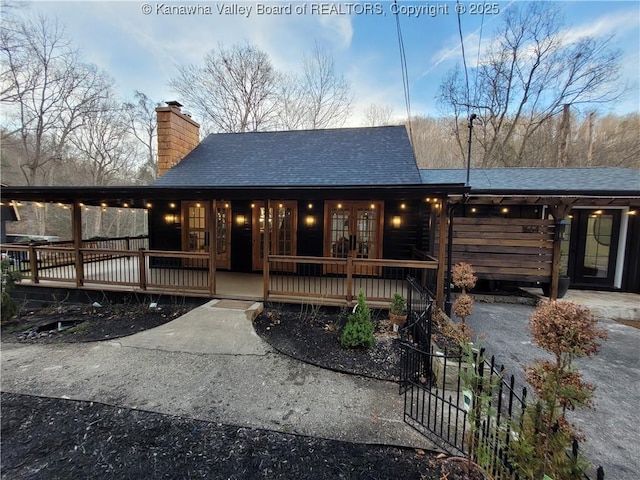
612 426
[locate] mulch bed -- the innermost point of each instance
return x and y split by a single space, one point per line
312 335
52 438
87 323
44 438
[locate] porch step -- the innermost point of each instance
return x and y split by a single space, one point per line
251 309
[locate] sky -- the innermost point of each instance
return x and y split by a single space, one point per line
140 46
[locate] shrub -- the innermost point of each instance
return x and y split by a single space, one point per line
8 306
358 332
567 331
398 305
463 307
463 276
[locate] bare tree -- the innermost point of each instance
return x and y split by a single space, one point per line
526 77
376 115
104 145
611 140
233 92
433 143
143 124
328 94
46 90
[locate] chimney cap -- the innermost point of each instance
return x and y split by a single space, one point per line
174 103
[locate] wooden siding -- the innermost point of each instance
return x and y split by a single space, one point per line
504 248
400 241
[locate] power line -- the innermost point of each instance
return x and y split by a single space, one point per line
403 68
464 58
475 81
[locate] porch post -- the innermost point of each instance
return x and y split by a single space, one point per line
212 213
442 229
265 252
76 234
558 212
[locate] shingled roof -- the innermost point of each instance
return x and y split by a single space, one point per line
566 180
334 157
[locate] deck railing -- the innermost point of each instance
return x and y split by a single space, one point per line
290 278
149 270
326 279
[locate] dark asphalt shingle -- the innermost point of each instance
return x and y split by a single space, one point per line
336 157
531 179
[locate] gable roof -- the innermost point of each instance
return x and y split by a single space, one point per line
301 158
565 180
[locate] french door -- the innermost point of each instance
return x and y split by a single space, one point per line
196 232
283 223
353 229
223 235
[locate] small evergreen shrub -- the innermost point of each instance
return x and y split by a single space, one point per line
398 305
358 332
9 277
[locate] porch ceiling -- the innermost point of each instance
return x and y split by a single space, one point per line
538 199
139 197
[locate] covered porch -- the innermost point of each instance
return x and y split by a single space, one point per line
316 280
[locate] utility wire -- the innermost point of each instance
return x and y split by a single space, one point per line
405 79
464 59
475 81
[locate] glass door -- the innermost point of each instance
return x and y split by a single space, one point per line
283 221
353 230
196 235
223 235
594 246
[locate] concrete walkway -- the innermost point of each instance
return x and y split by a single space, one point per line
210 365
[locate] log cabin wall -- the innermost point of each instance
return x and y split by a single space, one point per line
401 229
513 249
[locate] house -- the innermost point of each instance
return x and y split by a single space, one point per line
330 193
593 211
317 215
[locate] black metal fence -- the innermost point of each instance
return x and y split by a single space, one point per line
441 406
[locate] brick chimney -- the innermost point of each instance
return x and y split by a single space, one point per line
178 134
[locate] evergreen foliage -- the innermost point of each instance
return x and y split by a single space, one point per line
358 332
8 306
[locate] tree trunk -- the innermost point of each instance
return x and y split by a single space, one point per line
563 134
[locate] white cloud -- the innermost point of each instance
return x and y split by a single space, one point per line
340 25
617 23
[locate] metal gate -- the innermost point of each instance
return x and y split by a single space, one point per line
436 402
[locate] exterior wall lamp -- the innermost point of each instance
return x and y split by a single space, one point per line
396 221
241 220
310 220
171 218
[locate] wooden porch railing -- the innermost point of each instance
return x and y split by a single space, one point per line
326 279
147 270
288 278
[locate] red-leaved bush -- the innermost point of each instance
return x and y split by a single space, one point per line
463 276
565 328
545 435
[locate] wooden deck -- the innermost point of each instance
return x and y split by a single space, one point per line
315 280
